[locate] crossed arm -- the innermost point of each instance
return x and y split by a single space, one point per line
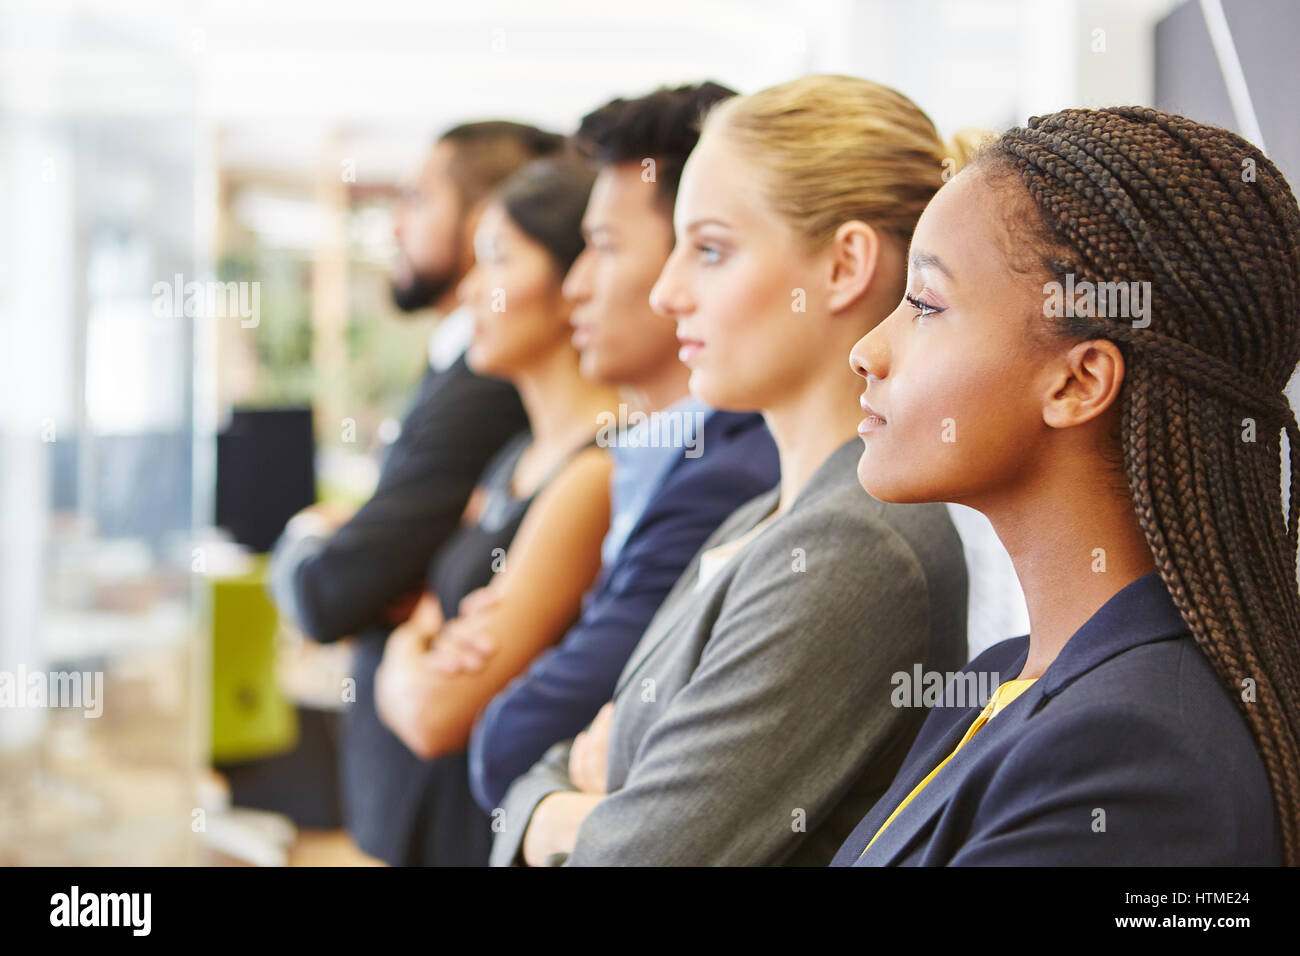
553 560
787 707
555 822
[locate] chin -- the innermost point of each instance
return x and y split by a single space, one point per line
593 369
481 362
881 486
707 388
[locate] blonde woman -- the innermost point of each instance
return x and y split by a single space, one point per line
753 724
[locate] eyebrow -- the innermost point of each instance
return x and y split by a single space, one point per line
924 260
697 223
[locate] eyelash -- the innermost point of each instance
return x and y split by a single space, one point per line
923 308
705 248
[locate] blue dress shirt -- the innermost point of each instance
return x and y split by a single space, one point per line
640 465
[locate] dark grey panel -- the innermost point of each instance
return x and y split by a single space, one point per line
1188 79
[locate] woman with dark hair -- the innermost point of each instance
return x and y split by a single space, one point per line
1101 311
532 529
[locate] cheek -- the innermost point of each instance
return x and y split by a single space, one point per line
751 333
636 324
415 237
533 315
515 315
614 297
428 242
959 424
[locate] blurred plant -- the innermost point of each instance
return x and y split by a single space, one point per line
386 355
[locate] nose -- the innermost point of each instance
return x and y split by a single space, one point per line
669 297
869 357
576 287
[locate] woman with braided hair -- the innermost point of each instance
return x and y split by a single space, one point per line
1100 319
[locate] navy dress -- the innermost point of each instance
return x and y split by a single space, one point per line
412 812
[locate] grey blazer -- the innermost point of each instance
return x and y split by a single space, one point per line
753 723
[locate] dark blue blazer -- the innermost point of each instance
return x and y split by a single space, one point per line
564 688
1128 750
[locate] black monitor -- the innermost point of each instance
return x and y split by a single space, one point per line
266 472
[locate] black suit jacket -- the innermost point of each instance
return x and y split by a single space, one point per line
457 422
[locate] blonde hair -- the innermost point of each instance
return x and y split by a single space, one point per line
837 148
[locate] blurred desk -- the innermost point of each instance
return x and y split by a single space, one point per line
328 848
310 848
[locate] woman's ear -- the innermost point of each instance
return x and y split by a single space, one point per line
1086 383
855 251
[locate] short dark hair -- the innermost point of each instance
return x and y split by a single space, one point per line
663 126
488 153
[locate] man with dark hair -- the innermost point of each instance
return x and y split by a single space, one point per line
661 126
667 496
435 223
360 576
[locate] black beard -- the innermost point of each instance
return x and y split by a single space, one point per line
422 292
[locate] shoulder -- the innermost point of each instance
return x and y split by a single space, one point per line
579 489
587 472
1153 725
833 564
1164 688
859 536
453 390
736 457
502 464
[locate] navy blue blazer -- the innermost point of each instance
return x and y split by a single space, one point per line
1128 750
562 690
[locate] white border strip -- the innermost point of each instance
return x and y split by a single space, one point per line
1225 50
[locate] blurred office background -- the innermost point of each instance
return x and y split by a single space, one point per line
265 141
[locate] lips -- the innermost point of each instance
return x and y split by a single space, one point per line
689 348
873 420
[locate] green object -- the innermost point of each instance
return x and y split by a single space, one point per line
251 717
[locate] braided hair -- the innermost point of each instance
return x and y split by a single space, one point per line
1133 194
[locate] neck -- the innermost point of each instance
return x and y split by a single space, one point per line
561 405
811 423
657 391
1075 543
448 301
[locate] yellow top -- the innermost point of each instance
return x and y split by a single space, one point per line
1003 696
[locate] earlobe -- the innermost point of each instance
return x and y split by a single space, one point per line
855 250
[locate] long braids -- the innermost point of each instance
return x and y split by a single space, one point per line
1133 194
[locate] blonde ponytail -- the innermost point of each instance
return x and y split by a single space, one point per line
961 148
